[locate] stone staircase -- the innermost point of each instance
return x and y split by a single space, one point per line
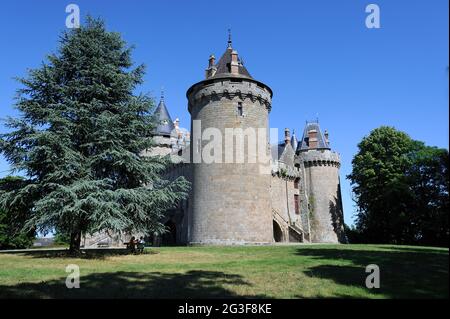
295 230
297 233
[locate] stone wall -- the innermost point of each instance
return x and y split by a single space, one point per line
282 193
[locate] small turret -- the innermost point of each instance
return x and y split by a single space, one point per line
165 125
164 134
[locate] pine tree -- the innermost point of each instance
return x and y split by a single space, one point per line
80 139
12 220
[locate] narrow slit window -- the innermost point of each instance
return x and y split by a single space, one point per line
240 110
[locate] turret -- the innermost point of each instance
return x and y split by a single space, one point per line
164 134
321 172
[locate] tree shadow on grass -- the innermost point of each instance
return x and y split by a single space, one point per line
192 284
99 253
405 272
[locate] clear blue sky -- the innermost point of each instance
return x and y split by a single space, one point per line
317 56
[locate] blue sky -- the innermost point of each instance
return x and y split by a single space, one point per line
317 56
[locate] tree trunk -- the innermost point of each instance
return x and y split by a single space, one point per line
75 241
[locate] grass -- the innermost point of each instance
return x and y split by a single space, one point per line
293 271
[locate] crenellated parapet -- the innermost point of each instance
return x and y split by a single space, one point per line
230 88
319 157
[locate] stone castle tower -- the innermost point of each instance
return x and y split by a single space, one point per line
322 194
230 202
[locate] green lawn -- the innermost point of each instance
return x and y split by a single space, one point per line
294 271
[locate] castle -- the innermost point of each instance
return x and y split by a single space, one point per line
293 195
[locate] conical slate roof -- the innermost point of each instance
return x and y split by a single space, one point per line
303 145
165 126
224 65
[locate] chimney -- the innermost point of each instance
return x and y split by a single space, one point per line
234 62
312 139
211 60
211 70
287 136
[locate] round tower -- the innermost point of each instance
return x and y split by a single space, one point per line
230 195
321 174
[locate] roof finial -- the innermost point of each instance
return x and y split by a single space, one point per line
229 37
162 93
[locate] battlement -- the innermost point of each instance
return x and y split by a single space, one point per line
242 88
320 157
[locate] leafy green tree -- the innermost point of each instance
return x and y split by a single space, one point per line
378 179
354 236
80 140
13 218
400 187
429 173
